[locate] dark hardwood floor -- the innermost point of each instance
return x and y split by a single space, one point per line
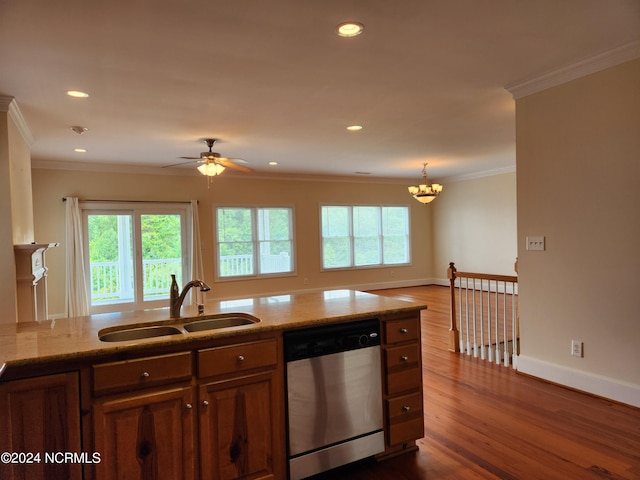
485 421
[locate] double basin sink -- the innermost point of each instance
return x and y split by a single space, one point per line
196 324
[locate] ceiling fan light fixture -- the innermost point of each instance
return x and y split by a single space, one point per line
211 169
424 192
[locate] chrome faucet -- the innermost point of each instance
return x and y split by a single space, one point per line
176 299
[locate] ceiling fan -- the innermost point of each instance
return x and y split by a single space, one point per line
212 163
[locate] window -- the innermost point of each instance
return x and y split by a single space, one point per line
132 250
360 236
254 241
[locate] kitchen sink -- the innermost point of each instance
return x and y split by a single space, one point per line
212 323
139 333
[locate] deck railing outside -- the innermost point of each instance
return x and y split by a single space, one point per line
111 282
484 315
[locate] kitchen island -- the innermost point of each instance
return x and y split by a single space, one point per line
189 404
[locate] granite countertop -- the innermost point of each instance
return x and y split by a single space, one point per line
33 343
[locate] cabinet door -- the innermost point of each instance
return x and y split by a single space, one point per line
40 416
146 437
238 421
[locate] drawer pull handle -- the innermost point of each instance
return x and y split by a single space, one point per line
205 403
404 330
188 406
404 358
406 408
144 375
241 358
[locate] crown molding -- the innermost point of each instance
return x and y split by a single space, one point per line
192 172
474 175
587 66
152 170
9 105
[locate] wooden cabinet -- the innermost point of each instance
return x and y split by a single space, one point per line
240 397
146 436
213 413
402 374
40 416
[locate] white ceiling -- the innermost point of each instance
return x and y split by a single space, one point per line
273 81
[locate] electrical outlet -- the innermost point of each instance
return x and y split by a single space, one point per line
576 348
535 243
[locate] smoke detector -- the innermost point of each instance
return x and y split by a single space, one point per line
79 130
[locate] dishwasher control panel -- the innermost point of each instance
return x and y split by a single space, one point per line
328 339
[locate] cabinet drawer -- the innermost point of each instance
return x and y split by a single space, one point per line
237 358
404 408
404 380
406 431
404 356
141 372
401 330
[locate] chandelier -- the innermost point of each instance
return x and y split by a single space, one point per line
424 192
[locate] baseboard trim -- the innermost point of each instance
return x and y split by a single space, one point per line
601 386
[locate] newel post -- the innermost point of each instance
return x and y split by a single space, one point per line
454 335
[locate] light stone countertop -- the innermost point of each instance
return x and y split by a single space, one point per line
39 343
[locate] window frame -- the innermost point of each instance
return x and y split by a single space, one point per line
137 210
255 242
352 238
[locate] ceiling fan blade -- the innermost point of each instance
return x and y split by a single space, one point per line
191 158
178 164
229 163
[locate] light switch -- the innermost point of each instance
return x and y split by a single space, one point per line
535 243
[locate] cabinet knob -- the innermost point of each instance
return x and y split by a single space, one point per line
403 330
406 408
241 358
144 375
188 406
404 358
205 403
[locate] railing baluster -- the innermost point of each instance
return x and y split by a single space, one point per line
505 324
514 328
497 323
496 330
466 296
489 344
460 314
475 340
483 349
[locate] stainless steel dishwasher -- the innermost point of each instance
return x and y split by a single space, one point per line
334 396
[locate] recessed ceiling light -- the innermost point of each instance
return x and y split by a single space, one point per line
273 163
77 94
349 29
354 128
80 150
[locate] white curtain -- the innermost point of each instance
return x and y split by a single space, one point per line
197 269
76 286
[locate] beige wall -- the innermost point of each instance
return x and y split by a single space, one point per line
474 224
578 171
21 197
304 196
16 207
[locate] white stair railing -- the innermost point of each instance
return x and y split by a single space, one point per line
484 315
